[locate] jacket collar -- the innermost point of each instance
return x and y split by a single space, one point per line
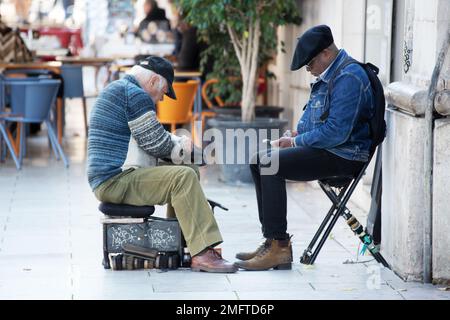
342 55
132 79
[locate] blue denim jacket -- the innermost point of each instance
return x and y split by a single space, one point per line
345 132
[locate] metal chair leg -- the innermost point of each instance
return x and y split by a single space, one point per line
86 126
309 256
52 135
10 147
3 149
357 228
53 147
21 140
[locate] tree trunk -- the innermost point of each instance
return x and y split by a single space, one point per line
247 50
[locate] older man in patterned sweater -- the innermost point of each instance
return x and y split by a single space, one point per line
124 145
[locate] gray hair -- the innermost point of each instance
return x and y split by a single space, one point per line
143 75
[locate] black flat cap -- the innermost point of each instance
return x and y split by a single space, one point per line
310 44
164 68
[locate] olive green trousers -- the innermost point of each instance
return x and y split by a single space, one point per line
175 185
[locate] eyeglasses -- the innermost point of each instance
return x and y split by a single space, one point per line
310 63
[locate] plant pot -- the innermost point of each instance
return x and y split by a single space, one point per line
260 111
237 171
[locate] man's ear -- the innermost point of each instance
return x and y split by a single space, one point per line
153 80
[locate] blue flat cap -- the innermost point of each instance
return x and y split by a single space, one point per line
310 44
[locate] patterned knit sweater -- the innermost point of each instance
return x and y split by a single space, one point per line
123 118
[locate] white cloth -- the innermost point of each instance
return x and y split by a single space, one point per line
138 158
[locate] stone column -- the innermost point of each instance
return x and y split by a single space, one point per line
403 201
441 187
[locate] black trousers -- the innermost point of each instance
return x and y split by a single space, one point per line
298 164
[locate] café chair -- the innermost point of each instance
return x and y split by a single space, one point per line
2 110
31 102
16 75
211 102
73 87
209 112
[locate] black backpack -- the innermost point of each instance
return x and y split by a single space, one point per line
377 124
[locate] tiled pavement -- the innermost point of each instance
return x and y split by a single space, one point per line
51 244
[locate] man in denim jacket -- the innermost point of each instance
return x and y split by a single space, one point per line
332 139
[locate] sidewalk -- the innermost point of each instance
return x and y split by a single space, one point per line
51 242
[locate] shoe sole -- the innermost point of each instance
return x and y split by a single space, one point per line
214 270
242 258
284 266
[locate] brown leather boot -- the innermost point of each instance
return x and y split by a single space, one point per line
211 261
249 255
277 254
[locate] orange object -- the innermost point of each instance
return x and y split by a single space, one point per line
208 113
205 97
178 111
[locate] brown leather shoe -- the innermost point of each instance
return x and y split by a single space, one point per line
249 255
212 261
277 254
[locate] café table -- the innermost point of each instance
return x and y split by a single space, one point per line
93 61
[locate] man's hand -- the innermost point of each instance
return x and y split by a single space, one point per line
283 142
289 133
186 144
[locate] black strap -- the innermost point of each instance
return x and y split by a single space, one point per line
345 63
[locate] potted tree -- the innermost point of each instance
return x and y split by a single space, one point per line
240 37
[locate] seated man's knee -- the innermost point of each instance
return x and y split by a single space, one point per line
188 173
269 163
260 159
196 170
265 160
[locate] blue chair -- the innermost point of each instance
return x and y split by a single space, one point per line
31 102
2 93
19 97
73 86
2 110
28 74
